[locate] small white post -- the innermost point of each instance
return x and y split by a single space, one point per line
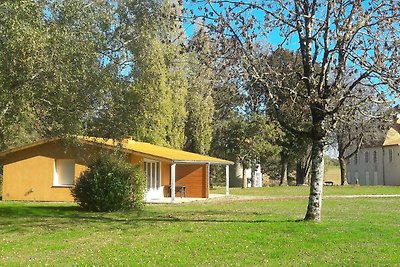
227 180
208 179
173 182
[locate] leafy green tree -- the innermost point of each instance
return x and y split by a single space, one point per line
51 73
178 71
247 140
22 38
149 101
200 102
153 112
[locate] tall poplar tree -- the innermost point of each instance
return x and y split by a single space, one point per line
200 103
149 39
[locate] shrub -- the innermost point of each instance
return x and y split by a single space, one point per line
110 184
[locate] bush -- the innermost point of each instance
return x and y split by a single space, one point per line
110 184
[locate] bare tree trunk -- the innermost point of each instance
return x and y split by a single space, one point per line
317 177
343 176
253 174
301 174
237 173
303 169
284 168
244 181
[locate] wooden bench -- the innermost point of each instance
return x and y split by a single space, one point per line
328 183
178 188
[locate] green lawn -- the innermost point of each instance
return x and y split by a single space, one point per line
282 191
354 232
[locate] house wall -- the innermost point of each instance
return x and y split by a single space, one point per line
392 168
382 172
29 174
195 178
367 172
165 171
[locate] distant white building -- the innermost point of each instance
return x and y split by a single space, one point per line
237 173
378 165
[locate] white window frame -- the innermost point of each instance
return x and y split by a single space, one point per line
56 177
153 179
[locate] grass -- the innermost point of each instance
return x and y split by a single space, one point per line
333 174
355 232
283 191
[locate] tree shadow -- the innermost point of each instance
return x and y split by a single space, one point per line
53 217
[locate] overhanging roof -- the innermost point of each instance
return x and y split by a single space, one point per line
174 155
393 135
139 148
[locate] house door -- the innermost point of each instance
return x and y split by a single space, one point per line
152 170
375 178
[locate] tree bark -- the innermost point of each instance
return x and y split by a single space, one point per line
244 180
318 135
301 174
238 173
343 176
284 168
317 177
253 174
303 168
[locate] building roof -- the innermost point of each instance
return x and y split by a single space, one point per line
138 148
393 135
174 155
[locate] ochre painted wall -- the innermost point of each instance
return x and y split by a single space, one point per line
29 174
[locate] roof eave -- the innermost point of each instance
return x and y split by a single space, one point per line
26 146
201 162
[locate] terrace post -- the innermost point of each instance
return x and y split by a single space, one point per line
227 180
208 178
173 168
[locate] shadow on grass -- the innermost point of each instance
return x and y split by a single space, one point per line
22 217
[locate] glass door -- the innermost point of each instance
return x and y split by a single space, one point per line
152 170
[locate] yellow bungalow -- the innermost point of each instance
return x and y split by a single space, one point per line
47 169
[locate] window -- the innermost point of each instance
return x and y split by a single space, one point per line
374 156
64 172
356 158
152 170
366 156
390 155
